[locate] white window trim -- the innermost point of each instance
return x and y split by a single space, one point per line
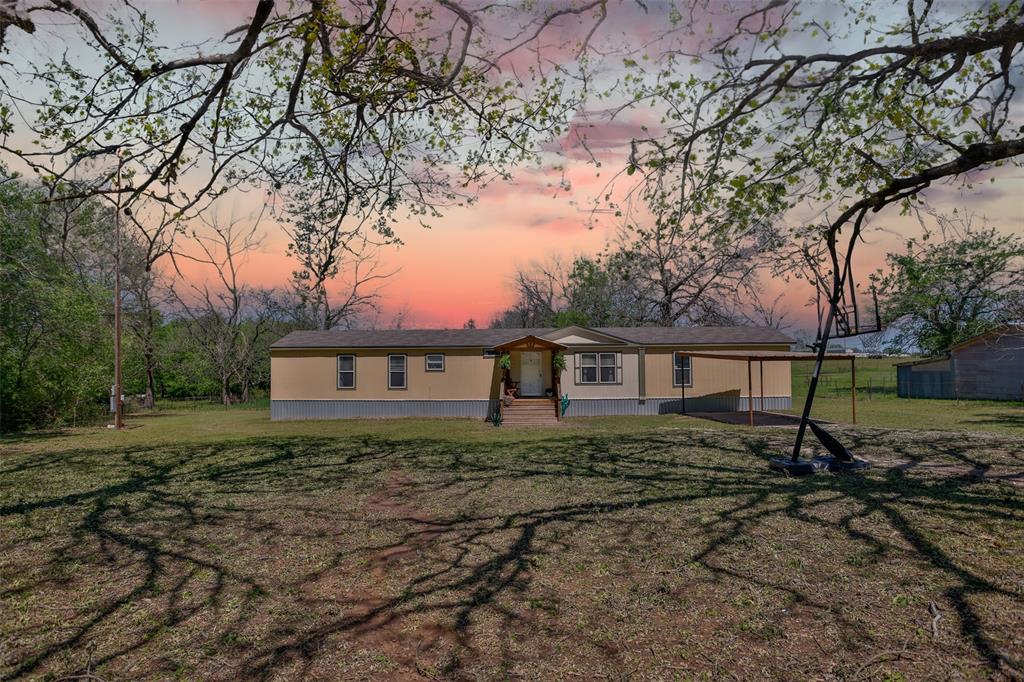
337 368
597 369
686 384
616 365
405 371
426 362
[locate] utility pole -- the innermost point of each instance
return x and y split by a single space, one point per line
118 405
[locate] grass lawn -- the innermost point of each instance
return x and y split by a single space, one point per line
218 545
878 405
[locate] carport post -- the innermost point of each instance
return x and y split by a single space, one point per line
853 387
760 366
682 378
750 393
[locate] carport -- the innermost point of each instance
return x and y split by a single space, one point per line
760 357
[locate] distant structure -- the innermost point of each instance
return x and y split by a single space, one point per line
987 367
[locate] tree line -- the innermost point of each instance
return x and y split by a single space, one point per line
187 337
202 335
960 278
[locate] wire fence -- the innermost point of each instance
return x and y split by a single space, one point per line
196 403
869 388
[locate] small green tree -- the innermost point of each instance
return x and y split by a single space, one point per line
944 291
599 295
591 291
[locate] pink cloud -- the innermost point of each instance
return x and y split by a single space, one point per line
561 224
599 139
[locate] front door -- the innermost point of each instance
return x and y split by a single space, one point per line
531 376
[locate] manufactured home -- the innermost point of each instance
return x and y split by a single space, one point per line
476 373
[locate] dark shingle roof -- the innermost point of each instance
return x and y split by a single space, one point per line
403 338
487 338
696 335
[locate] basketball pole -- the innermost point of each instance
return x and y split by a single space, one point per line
813 386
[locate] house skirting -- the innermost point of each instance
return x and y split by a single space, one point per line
353 409
483 409
596 407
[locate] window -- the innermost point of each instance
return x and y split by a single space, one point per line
598 368
682 371
346 371
396 371
435 362
608 368
588 368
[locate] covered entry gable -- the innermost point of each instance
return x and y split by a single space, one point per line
529 342
578 335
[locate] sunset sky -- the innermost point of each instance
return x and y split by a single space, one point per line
460 268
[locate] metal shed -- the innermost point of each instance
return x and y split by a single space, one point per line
986 367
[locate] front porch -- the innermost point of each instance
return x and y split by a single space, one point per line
530 382
530 412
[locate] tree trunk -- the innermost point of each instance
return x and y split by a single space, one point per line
149 402
149 359
666 312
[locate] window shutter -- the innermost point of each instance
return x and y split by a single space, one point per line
576 368
618 368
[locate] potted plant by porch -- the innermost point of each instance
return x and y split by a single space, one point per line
505 363
558 362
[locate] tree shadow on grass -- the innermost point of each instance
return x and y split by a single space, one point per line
21 437
269 556
999 418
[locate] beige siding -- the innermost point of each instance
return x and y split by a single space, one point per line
712 376
311 375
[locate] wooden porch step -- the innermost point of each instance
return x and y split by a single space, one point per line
534 422
530 412
530 422
530 415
